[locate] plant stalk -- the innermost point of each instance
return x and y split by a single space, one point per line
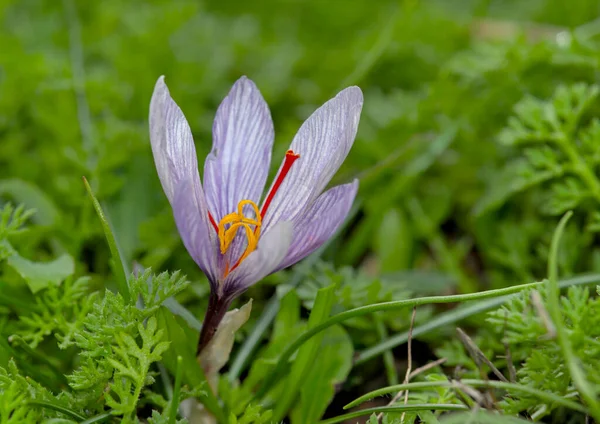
217 308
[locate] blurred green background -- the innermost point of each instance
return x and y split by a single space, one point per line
440 80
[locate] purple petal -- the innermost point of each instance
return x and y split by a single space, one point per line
320 221
171 139
199 238
238 165
271 250
323 142
177 166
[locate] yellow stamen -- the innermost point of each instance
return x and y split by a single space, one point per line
237 220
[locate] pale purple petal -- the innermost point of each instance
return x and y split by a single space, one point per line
320 221
199 238
323 142
238 165
171 140
271 250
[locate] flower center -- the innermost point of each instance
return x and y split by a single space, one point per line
237 220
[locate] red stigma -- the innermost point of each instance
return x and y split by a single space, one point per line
213 222
290 158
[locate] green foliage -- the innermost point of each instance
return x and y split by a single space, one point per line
523 328
109 336
157 418
60 311
542 365
117 344
355 289
40 275
11 221
15 391
253 414
481 125
558 152
131 365
318 367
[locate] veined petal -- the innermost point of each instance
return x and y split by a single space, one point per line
191 217
271 250
323 142
320 221
238 165
171 139
177 166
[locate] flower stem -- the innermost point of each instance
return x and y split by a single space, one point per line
217 308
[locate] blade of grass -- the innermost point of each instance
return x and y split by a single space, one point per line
388 355
583 386
176 391
242 358
369 309
398 408
454 316
481 417
117 260
76 57
178 309
57 408
306 354
509 387
165 380
100 418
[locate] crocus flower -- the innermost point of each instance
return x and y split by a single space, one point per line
234 241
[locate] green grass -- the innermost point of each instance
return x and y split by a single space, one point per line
479 132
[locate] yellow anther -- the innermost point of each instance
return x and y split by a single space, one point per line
237 220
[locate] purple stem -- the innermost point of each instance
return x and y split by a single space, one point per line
217 308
